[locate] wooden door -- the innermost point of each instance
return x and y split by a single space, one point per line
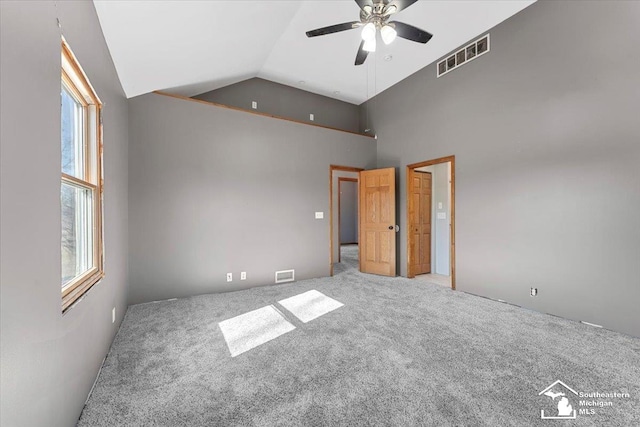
420 222
377 221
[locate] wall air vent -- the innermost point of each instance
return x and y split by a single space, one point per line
285 276
464 55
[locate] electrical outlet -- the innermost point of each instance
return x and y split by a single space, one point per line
533 292
113 315
254 105
243 275
229 277
311 117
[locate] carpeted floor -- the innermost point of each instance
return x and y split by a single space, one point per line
399 352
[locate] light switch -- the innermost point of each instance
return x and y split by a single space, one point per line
442 215
319 215
439 205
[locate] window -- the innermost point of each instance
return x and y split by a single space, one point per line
81 184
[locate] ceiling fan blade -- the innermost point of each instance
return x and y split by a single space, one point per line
361 56
399 5
333 29
410 32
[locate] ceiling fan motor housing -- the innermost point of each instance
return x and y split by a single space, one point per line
378 15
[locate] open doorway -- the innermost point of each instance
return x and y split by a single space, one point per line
347 215
343 181
431 221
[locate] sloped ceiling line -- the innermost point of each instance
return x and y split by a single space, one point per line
190 47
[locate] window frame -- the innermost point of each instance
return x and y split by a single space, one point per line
76 82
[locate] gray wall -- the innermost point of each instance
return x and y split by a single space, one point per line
348 212
214 190
286 101
442 194
49 361
545 131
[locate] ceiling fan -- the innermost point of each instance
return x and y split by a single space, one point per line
374 17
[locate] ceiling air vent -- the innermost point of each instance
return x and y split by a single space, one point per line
285 276
464 55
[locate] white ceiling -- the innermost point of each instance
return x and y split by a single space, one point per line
191 47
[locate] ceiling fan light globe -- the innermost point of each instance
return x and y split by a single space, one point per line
388 34
390 9
369 32
369 45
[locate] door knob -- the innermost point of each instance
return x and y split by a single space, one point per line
391 227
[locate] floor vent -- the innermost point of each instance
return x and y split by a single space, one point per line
464 55
285 276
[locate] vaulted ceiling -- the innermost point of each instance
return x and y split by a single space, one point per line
190 47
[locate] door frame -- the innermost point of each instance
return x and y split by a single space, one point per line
342 179
452 228
331 169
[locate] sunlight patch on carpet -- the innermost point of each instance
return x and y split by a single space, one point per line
310 305
249 330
